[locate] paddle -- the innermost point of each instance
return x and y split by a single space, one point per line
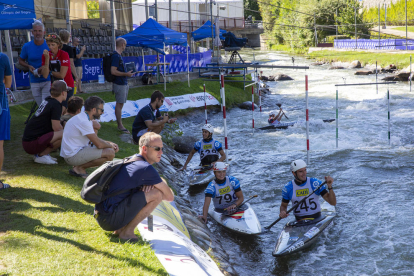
279 105
247 200
295 206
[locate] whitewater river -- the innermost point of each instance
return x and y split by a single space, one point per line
373 181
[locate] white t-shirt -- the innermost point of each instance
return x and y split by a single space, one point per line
74 135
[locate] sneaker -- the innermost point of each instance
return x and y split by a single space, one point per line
45 159
53 158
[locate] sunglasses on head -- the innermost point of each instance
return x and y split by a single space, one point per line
155 148
52 36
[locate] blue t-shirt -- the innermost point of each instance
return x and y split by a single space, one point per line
77 61
217 145
147 113
287 191
118 62
5 70
211 188
33 55
130 177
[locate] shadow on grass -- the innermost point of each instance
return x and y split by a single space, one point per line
11 206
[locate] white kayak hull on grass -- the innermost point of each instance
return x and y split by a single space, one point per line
296 236
243 221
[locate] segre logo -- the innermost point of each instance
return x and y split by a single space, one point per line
224 190
168 101
303 192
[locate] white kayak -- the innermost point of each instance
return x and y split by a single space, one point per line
243 221
199 175
297 235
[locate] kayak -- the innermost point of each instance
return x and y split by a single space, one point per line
297 235
288 124
244 220
202 175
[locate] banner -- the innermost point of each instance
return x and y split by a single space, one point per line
172 244
131 108
92 68
17 14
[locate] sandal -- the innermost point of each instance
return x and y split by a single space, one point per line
126 131
83 175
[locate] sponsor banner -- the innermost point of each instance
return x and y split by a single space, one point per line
172 245
131 108
375 44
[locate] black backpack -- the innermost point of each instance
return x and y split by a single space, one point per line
106 66
97 183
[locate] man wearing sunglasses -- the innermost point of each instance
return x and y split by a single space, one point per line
140 189
149 117
76 148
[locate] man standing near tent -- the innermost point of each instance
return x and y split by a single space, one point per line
120 84
31 57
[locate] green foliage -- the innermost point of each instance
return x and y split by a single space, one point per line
93 9
395 14
292 22
253 6
169 132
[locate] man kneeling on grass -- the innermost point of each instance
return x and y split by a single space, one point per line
144 190
81 147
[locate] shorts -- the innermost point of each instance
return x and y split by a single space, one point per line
79 72
5 124
121 92
39 145
124 213
85 155
70 94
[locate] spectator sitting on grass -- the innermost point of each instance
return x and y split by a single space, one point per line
43 133
78 133
143 190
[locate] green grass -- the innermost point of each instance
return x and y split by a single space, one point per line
410 29
47 229
401 60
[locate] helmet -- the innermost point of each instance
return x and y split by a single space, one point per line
297 165
208 127
272 113
220 166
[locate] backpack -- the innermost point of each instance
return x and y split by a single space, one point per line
106 66
97 183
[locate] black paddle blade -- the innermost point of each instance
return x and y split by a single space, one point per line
279 105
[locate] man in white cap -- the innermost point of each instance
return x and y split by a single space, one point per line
302 186
208 148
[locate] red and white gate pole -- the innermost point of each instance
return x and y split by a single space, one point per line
307 119
205 103
223 94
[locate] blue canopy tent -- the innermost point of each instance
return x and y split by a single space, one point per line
15 14
155 36
205 31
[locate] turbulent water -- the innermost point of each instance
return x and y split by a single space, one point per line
373 181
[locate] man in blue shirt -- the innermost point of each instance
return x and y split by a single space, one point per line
302 186
138 188
120 84
208 148
31 57
78 63
149 117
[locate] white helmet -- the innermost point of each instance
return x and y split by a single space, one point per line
272 113
297 165
219 166
209 128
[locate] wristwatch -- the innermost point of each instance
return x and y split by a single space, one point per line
330 188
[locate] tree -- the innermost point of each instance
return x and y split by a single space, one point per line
93 9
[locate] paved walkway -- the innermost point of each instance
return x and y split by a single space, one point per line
391 31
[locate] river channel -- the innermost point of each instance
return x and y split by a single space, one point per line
373 181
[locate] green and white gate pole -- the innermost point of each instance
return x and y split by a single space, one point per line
389 123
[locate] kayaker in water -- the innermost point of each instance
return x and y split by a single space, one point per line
275 119
208 148
224 190
301 187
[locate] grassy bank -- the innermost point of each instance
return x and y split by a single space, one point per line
409 28
47 229
401 60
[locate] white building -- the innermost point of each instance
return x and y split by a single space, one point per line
231 13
